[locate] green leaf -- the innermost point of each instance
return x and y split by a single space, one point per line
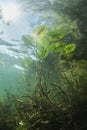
40 31
42 53
56 35
70 48
56 47
28 40
42 47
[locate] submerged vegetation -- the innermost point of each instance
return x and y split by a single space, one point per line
56 78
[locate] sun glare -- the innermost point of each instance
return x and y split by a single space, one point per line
10 12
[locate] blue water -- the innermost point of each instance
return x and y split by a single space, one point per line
12 50
11 71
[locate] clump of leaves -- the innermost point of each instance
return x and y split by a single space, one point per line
47 42
60 84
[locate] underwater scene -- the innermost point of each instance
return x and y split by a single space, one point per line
43 64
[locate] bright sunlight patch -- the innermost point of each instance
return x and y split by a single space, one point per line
10 12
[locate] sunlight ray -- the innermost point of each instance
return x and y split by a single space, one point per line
10 12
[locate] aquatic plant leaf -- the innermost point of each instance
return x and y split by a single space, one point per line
42 54
28 40
70 48
56 47
42 50
40 31
56 35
